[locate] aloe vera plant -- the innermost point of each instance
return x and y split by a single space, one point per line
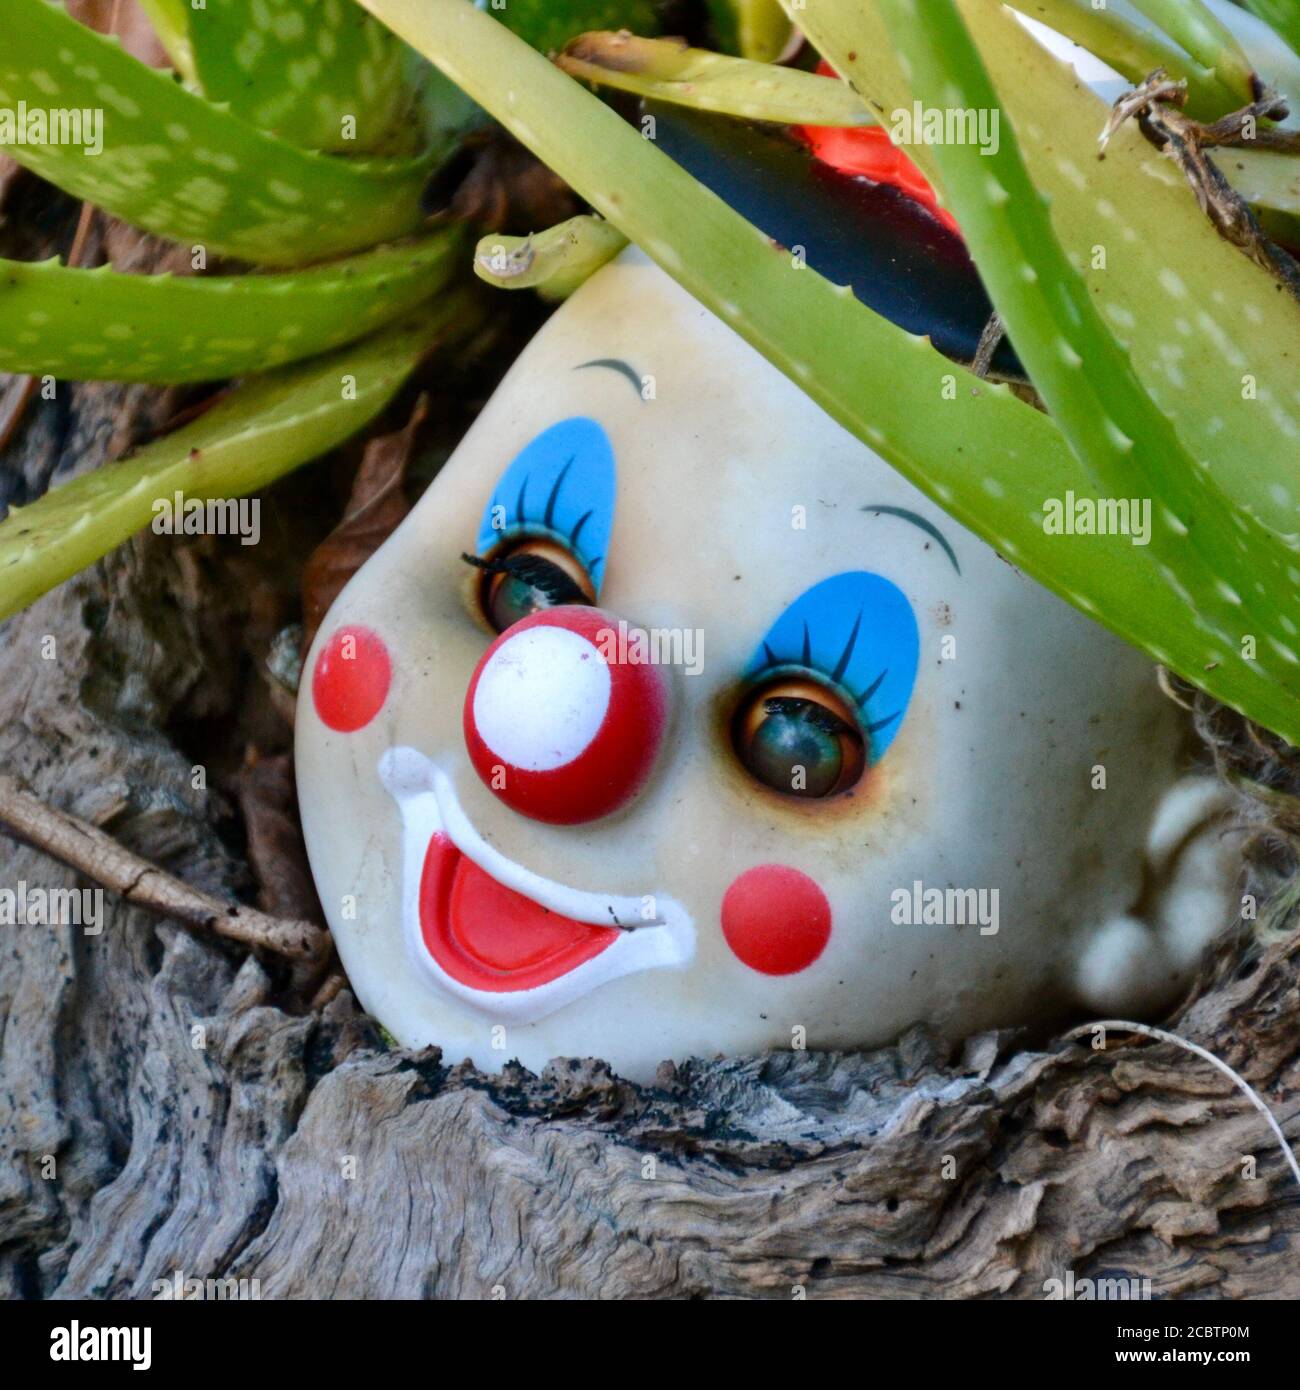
1166 359
546 26
1116 429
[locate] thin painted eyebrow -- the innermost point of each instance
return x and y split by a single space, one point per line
615 364
928 527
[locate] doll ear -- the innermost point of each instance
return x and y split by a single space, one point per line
1137 963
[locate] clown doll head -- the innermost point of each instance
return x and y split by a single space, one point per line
673 722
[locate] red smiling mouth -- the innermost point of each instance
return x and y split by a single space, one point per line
487 936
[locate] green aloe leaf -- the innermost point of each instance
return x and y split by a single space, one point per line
317 73
1134 52
554 262
178 166
82 325
1194 25
1283 16
170 20
1265 178
756 29
983 455
249 438
1222 362
669 71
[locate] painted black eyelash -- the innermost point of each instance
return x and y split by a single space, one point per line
548 516
537 572
522 518
859 701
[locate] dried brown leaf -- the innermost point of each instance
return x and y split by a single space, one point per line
276 852
127 20
376 507
9 172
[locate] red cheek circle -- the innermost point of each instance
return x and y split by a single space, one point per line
776 919
351 679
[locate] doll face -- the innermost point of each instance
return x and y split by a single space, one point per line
669 765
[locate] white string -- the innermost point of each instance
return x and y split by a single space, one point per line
1147 1031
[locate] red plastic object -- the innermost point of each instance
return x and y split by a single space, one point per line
868 152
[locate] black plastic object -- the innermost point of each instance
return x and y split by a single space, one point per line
900 260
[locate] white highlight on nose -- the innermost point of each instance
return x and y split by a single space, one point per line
541 698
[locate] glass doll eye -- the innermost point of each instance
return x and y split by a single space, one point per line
528 576
798 737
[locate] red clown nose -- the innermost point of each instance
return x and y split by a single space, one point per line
562 721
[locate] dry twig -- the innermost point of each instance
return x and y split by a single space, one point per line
1156 106
90 851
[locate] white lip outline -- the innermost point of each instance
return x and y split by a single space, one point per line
428 805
